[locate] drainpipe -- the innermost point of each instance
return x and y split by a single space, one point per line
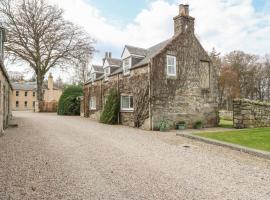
118 91
150 93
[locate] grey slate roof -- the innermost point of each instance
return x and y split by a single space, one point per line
117 71
25 86
151 52
29 86
148 53
98 68
114 62
136 50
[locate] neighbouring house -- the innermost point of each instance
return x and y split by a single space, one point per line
25 96
174 80
5 87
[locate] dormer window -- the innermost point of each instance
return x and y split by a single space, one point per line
107 73
126 66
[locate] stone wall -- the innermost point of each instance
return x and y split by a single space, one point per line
183 98
250 114
5 99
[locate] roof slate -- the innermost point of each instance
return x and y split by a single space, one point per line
151 52
136 50
98 68
114 61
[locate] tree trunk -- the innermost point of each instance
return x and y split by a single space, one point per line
40 79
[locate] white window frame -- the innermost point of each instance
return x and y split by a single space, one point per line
106 75
174 65
93 103
126 68
129 109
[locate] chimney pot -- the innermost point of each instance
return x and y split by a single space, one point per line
184 10
110 54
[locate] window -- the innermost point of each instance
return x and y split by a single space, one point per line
171 65
25 104
204 75
34 103
92 103
106 73
34 94
25 94
126 66
127 103
17 93
17 104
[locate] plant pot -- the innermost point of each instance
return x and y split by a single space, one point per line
180 126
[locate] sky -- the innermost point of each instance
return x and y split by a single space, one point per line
225 25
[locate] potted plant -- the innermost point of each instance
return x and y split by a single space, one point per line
198 125
181 125
164 125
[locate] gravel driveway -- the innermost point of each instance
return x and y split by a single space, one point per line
52 157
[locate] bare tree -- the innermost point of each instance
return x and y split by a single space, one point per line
38 34
82 68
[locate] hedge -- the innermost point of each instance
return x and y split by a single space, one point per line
69 103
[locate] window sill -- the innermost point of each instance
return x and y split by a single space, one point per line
93 109
127 111
171 76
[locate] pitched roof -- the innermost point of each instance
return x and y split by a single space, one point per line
25 86
114 61
98 68
29 86
151 52
136 50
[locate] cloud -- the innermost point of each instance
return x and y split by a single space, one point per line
226 25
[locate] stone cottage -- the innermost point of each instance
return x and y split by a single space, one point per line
5 87
174 80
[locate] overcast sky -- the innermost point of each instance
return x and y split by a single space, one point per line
226 25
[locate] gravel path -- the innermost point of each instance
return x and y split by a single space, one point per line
52 157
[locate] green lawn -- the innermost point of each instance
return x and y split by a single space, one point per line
253 138
225 123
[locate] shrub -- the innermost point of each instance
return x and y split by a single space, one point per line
164 125
69 103
111 109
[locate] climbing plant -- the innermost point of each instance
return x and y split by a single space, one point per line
111 109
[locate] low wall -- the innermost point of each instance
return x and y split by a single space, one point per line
250 114
48 106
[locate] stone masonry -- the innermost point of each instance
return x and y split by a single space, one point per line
250 114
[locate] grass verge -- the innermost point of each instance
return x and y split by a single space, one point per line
258 138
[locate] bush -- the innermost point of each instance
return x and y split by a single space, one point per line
164 125
111 109
69 103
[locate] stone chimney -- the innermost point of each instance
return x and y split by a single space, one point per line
183 23
107 55
50 82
